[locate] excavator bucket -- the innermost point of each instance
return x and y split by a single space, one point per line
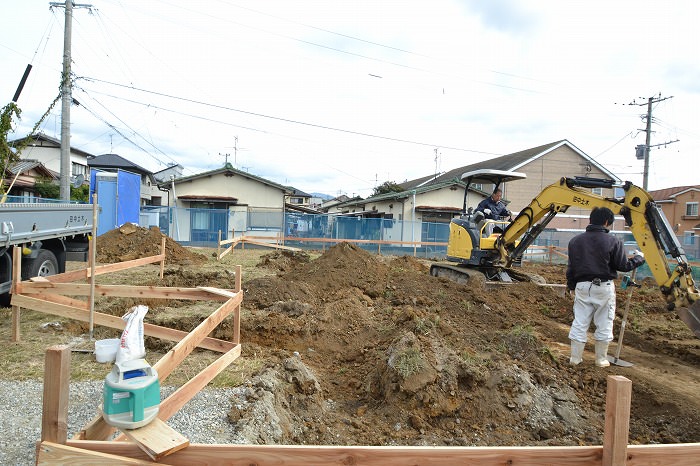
691 317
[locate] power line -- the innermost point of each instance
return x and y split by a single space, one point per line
288 120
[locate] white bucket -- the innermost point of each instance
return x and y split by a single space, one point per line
106 350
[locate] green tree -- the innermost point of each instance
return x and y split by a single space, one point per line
7 154
387 187
47 189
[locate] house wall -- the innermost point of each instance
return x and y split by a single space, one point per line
549 169
676 209
248 191
51 157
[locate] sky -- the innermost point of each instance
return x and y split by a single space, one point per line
339 97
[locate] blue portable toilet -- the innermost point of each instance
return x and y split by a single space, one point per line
119 197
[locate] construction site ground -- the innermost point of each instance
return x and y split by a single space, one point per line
345 347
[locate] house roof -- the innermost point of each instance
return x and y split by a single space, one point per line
116 161
228 169
297 192
509 162
51 142
669 194
26 165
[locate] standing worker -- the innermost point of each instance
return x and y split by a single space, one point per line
595 257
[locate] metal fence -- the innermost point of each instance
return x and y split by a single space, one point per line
201 227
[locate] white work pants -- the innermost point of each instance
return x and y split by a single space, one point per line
593 303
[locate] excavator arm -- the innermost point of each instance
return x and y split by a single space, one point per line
643 217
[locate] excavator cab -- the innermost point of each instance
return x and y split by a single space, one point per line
472 241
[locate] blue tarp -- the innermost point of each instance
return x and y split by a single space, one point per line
119 197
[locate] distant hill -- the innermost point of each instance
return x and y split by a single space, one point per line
325 197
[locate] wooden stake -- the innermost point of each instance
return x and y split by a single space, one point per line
617 420
14 288
54 419
162 253
92 246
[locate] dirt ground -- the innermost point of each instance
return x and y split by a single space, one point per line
360 349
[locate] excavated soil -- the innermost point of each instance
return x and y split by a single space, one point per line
360 349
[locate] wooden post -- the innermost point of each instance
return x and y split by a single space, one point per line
237 310
162 252
15 287
54 417
617 420
92 248
218 245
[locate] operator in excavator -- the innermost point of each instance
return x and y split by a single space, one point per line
494 209
595 257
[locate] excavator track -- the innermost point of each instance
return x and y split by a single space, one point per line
476 276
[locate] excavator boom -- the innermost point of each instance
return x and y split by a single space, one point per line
664 254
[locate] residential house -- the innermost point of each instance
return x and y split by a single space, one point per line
437 198
47 150
680 206
150 194
297 198
225 199
20 178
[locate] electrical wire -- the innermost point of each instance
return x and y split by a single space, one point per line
288 120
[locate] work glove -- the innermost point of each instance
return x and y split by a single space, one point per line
507 213
487 211
639 253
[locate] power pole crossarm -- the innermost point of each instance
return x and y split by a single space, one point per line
650 101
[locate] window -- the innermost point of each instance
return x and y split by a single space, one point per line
598 191
78 169
691 209
689 238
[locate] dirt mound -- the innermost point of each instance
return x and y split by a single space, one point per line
403 358
130 242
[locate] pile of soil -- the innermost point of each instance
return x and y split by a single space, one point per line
360 349
130 242
369 350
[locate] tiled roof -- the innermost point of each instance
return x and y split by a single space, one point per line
669 193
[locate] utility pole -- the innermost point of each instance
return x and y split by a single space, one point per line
66 96
643 151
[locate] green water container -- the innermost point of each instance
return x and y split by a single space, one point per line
131 395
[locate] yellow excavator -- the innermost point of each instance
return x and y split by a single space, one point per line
471 250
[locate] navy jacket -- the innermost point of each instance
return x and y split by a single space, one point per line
597 254
498 209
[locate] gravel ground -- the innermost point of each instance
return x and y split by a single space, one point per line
202 420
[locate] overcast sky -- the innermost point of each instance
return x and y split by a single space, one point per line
339 96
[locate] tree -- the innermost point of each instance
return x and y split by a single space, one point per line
7 155
387 187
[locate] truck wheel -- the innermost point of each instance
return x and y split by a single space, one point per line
44 264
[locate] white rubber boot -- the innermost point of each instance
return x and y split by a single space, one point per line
576 352
601 353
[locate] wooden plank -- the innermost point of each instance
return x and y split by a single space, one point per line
291 455
268 245
186 345
182 395
54 417
49 453
617 420
107 320
122 291
117 266
60 299
157 439
97 428
218 291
